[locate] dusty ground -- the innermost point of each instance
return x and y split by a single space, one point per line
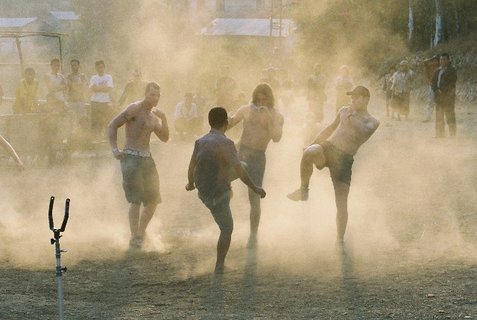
411 246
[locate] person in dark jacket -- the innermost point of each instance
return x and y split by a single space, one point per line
443 85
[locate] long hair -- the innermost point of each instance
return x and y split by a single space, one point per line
264 88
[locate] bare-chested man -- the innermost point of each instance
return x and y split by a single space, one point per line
261 123
334 148
140 177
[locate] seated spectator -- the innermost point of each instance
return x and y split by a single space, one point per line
186 118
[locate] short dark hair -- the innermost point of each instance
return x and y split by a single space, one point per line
217 117
99 63
29 70
54 60
264 88
152 85
74 60
445 55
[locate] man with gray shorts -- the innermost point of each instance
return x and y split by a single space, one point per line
334 148
140 177
213 165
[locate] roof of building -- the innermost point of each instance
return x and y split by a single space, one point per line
247 27
8 23
65 15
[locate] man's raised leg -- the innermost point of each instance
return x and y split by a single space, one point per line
312 156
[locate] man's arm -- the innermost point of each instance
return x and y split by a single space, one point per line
237 117
161 130
326 133
276 125
435 77
113 127
243 175
190 172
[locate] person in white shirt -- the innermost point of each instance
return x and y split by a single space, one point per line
101 85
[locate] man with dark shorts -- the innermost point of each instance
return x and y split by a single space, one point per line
213 165
334 148
261 123
140 177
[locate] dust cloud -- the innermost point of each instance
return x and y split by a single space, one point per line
410 195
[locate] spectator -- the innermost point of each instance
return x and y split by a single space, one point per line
443 85
76 91
134 90
26 97
343 84
430 65
56 85
401 86
101 85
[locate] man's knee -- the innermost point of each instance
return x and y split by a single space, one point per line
314 154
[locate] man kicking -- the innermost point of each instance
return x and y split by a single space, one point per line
214 163
334 148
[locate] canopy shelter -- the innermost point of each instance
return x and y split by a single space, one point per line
18 35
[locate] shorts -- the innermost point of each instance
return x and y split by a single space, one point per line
220 209
255 161
140 179
338 162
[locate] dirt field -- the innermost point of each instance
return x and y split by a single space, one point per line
411 244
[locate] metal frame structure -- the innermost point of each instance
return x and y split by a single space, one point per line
17 35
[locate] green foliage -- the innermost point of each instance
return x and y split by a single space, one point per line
371 30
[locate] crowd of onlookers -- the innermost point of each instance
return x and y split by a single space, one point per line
88 103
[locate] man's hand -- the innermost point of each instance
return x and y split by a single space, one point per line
190 186
260 192
161 115
117 153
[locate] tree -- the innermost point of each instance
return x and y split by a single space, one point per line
438 35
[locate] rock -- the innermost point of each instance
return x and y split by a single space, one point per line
430 295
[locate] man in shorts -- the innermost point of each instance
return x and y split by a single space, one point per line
262 122
140 177
213 165
334 148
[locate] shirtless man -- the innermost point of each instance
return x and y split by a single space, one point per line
140 177
261 123
334 148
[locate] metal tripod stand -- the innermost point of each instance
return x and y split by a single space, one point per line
56 241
